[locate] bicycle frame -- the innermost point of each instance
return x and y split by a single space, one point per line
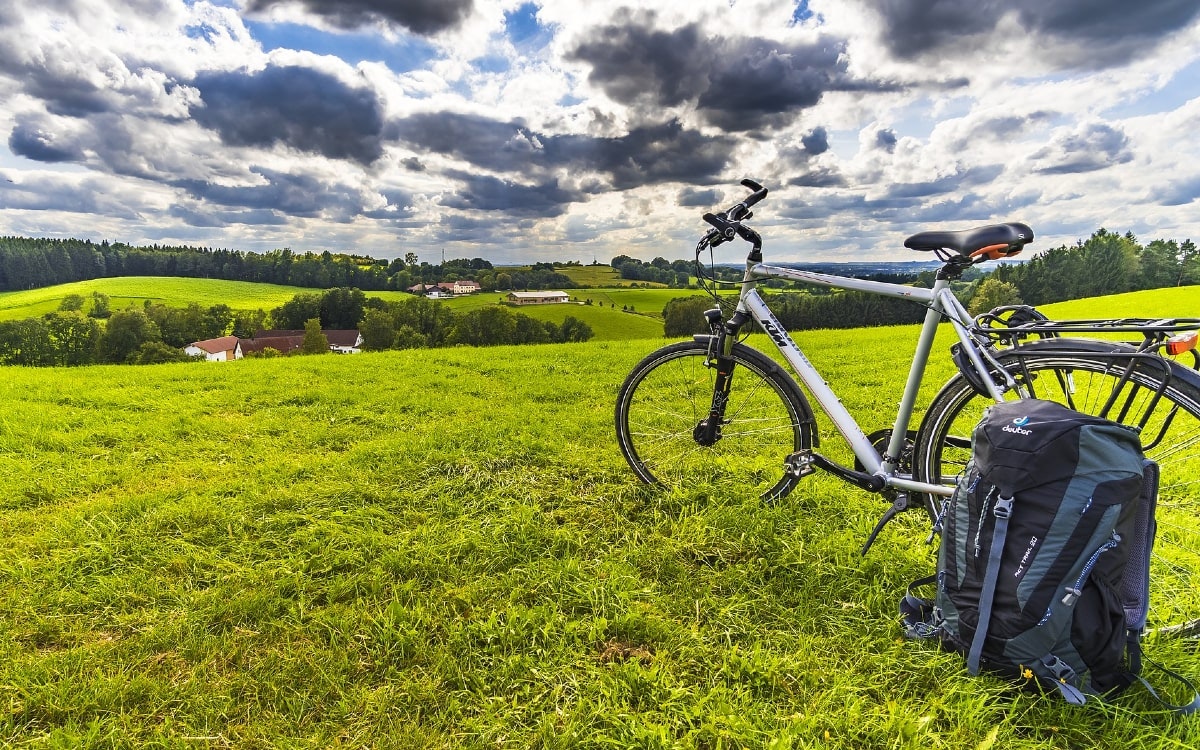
941 303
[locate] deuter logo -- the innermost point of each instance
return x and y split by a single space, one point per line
1015 427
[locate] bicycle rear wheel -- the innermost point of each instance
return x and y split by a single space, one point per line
1087 377
670 391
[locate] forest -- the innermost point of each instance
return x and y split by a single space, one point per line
27 263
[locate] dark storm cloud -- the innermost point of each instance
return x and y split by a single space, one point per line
693 197
647 155
424 17
736 83
298 107
886 139
816 142
914 27
1094 147
33 143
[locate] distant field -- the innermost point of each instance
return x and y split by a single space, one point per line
1178 302
136 290
596 276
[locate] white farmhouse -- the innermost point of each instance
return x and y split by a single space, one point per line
224 349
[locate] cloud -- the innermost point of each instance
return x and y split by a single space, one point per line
487 193
35 143
1087 149
816 141
689 197
424 17
736 83
647 155
1098 32
295 106
291 193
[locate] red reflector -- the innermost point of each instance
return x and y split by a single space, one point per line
1181 343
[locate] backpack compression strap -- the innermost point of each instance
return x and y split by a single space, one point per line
1002 511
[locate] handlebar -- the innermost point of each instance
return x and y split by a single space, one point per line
727 224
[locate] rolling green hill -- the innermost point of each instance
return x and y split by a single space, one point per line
136 290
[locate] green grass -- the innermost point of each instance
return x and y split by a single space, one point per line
416 549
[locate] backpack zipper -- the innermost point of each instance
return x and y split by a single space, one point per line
982 515
1076 591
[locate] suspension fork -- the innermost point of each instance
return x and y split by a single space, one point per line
720 357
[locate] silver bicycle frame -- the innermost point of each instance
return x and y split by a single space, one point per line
941 303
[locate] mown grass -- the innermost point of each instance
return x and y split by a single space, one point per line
444 549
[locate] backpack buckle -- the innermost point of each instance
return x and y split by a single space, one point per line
1003 507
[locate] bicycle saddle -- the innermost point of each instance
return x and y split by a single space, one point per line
992 241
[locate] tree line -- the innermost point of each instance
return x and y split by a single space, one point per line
86 331
29 263
1106 263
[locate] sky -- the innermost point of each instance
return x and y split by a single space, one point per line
522 131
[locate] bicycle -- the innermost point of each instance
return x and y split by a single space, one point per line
717 408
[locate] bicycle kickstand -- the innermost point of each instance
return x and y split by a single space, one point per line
899 504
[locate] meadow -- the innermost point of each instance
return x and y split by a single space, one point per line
444 549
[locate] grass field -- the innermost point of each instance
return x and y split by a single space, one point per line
136 290
446 550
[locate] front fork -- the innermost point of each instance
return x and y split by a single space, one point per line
720 357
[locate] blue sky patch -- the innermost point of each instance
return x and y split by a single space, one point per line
401 56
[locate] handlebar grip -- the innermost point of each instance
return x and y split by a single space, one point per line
741 210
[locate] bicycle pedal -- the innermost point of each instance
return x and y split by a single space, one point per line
800 464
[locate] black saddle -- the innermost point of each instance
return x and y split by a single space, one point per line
991 242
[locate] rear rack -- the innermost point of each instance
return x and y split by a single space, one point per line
1015 322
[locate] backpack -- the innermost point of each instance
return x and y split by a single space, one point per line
1043 568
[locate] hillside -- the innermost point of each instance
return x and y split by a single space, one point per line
405 550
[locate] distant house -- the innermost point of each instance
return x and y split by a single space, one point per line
537 298
223 349
286 341
445 288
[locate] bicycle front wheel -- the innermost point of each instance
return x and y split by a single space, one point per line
670 392
1157 397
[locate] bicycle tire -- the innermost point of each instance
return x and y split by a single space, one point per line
670 391
1171 437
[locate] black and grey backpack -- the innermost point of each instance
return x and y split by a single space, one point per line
1044 565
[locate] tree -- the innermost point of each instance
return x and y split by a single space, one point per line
71 303
574 329
293 314
314 342
100 306
342 308
247 323
74 337
377 330
684 316
993 293
156 352
125 333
